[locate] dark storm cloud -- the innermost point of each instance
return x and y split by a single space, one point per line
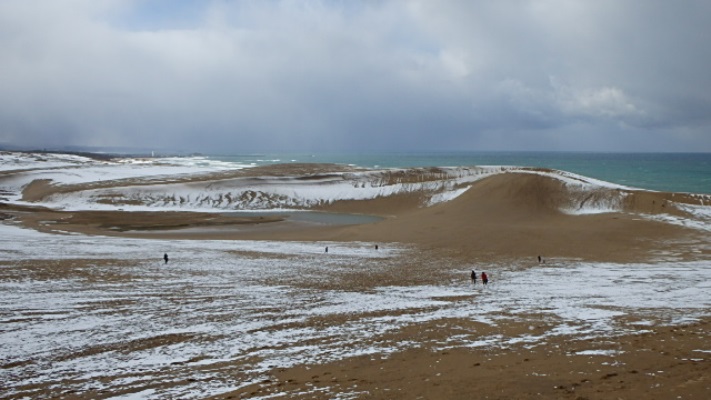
328 75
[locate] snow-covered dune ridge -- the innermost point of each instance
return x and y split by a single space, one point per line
197 184
584 195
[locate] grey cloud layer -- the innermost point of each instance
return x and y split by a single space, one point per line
325 75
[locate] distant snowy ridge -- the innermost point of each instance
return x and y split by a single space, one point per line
277 192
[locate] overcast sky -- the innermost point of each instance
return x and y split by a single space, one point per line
341 75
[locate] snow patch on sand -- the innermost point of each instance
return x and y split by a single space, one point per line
99 323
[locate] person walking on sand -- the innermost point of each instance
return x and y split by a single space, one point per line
474 277
165 258
484 278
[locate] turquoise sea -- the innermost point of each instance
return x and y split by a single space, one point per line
673 172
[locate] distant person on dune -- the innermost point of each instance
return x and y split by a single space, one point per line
474 277
165 258
484 278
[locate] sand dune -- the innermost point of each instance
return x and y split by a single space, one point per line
477 213
520 215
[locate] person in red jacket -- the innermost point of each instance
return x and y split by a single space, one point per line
484 278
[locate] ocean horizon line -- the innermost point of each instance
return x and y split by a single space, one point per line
659 171
185 152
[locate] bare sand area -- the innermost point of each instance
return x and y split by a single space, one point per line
661 364
511 218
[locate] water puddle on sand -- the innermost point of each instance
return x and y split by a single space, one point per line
313 217
281 220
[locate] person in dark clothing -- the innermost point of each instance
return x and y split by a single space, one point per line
326 249
165 258
484 278
474 277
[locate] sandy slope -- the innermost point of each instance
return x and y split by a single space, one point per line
517 215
